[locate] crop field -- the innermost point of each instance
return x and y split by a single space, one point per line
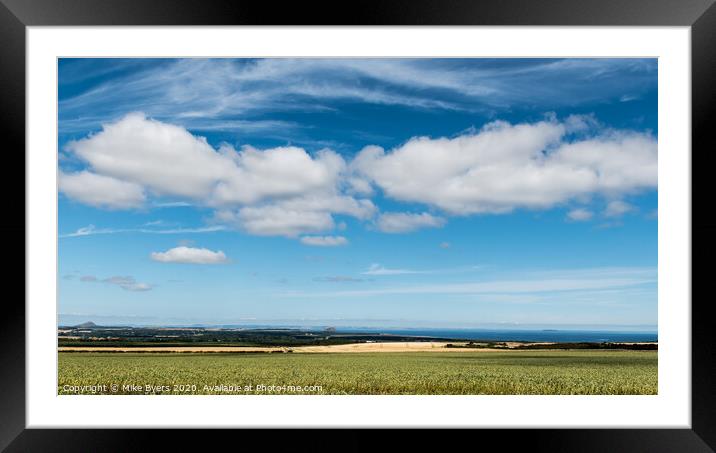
412 373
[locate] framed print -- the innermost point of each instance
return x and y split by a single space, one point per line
259 219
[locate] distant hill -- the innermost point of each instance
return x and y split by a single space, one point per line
87 324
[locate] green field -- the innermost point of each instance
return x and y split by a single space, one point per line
465 373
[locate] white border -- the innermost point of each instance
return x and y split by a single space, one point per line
671 408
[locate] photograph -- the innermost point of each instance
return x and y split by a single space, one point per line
357 226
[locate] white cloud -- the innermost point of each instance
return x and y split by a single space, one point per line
277 172
338 279
359 186
279 191
617 208
91 230
83 231
324 241
140 150
205 229
377 269
127 283
286 191
276 220
505 166
403 222
337 204
137 150
190 255
295 216
101 191
137 287
580 215
210 93
560 281
444 245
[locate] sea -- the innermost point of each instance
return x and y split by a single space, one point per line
546 335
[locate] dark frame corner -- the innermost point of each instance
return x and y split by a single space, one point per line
700 15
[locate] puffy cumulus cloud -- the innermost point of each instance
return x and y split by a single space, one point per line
163 157
101 191
275 220
324 241
286 191
295 216
170 161
580 215
504 166
338 204
190 255
617 208
278 172
280 191
403 222
359 186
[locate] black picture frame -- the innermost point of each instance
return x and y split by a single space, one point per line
700 15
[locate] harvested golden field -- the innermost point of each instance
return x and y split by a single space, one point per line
416 346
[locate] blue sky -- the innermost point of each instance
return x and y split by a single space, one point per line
373 192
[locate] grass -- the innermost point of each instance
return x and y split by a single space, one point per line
511 372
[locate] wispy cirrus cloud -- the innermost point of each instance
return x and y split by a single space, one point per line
204 93
377 269
126 282
536 283
338 279
91 230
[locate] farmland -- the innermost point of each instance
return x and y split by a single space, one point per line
467 372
